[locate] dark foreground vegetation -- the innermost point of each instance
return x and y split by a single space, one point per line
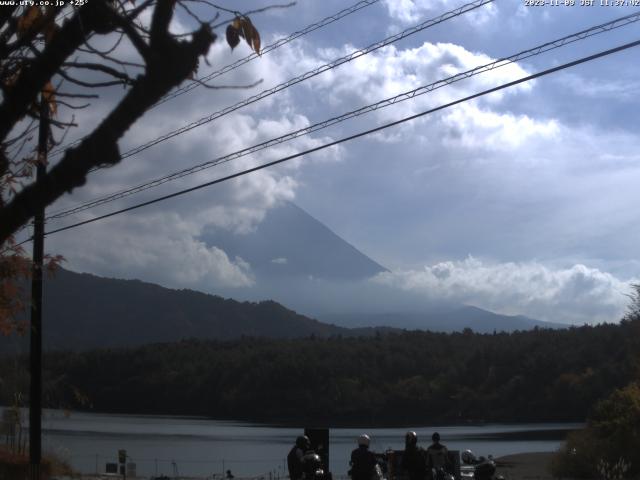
405 378
609 447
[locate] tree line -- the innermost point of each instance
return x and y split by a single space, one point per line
394 378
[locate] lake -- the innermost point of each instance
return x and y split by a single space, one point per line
202 447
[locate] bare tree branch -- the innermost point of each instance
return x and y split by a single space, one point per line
165 71
76 95
82 83
123 77
134 37
35 75
72 107
116 44
228 87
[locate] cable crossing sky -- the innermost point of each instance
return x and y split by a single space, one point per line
569 39
238 63
353 137
269 48
310 74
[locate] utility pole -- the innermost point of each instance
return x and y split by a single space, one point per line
35 359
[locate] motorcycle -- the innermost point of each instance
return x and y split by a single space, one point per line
479 468
312 468
440 473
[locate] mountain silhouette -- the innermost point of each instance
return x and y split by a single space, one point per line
291 243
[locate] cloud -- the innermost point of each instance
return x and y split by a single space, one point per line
503 176
576 294
472 127
391 70
414 11
163 248
609 89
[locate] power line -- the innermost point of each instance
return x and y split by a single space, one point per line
352 137
279 43
232 66
622 21
310 74
307 75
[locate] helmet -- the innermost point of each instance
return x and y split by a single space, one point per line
303 442
411 438
311 462
435 437
363 440
468 457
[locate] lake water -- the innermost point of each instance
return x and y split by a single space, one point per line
202 447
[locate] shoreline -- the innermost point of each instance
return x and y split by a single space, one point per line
518 466
525 466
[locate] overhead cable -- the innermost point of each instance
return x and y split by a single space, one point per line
279 43
626 20
232 66
310 74
351 137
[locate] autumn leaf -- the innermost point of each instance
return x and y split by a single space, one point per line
251 35
48 95
233 37
5 327
247 30
29 20
52 262
10 81
256 41
242 27
50 30
192 75
48 23
22 327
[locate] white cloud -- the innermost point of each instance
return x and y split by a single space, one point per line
469 176
472 127
577 294
280 261
414 11
390 71
160 247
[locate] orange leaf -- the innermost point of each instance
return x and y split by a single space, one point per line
28 21
256 41
250 34
50 30
48 95
247 30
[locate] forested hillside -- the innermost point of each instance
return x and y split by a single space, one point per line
83 311
411 377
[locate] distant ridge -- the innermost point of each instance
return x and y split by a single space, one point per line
83 311
445 320
294 258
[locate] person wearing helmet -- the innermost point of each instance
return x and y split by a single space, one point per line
413 458
295 456
468 457
312 466
438 455
363 461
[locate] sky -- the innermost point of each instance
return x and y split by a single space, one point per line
520 202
